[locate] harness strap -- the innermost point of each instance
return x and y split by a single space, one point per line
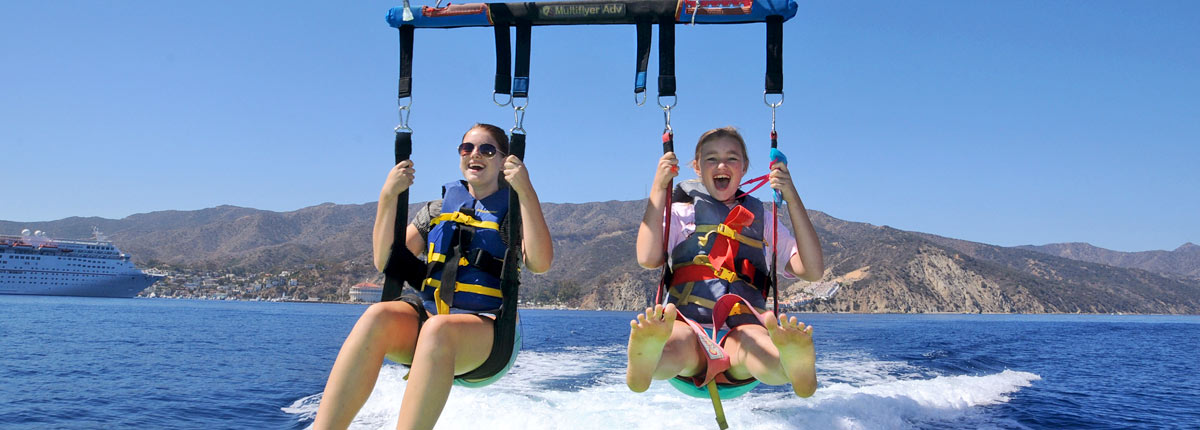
464 219
444 297
718 360
762 180
406 57
503 60
683 294
727 231
774 81
469 288
643 56
700 269
393 286
666 57
521 72
724 249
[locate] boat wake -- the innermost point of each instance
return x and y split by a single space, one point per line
584 388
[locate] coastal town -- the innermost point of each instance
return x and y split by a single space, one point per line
312 282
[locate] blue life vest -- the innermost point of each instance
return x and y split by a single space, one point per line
695 284
467 232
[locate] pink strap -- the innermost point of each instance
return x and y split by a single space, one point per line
718 361
762 180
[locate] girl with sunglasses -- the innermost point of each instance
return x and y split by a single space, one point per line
718 256
443 341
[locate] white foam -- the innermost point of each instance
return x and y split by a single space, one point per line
868 394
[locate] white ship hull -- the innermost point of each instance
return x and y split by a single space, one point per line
35 265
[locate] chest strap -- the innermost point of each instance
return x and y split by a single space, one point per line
727 231
464 219
700 269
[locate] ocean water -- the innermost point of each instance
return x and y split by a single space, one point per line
180 364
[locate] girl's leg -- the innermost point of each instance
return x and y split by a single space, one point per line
388 328
780 353
661 348
449 345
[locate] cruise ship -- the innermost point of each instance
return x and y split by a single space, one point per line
34 264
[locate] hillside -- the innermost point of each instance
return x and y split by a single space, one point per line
878 268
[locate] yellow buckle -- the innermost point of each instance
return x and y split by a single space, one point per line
726 274
726 231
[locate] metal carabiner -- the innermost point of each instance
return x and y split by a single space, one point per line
667 111
405 112
773 106
643 98
518 119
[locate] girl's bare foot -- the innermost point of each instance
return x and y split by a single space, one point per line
796 354
647 336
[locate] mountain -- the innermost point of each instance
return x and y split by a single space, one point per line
874 268
1184 260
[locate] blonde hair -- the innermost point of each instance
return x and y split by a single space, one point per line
723 132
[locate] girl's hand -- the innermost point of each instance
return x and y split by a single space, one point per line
398 179
781 180
668 169
516 175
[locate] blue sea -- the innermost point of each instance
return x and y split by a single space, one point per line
183 364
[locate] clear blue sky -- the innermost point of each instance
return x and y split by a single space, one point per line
1005 122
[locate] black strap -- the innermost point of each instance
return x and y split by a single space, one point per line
462 240
406 51
510 282
643 56
774 83
392 285
666 57
479 259
503 59
402 266
521 73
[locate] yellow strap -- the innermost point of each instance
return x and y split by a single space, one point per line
443 308
468 288
702 260
463 218
725 230
441 258
686 298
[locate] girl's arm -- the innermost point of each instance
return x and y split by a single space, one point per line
808 263
650 232
537 246
398 180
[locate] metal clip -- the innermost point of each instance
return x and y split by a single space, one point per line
773 106
519 118
667 111
407 15
405 111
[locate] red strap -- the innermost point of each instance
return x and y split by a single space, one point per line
724 249
700 272
762 180
725 304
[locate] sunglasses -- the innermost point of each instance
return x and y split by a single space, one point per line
487 150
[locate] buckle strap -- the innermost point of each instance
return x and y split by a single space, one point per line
727 231
464 219
700 269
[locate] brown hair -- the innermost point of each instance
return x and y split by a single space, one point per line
496 133
723 132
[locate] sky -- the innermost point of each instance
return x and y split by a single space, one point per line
1003 122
